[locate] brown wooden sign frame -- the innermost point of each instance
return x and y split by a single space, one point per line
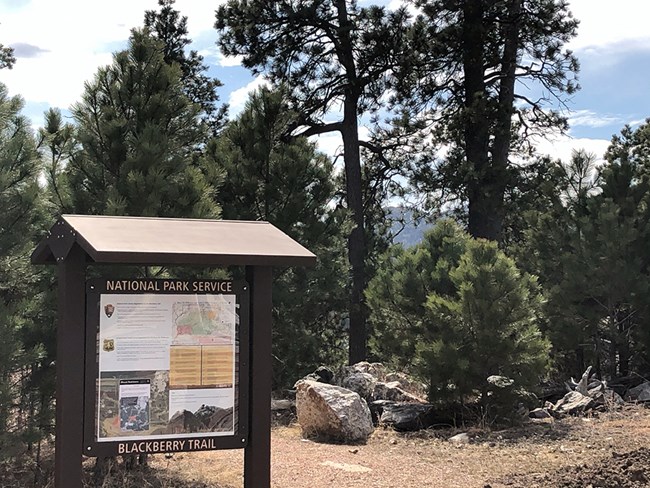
76 241
165 443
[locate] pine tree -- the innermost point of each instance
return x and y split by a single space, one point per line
590 253
470 71
487 327
21 350
398 293
458 311
139 139
290 184
333 55
170 27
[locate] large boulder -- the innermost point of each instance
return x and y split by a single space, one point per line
376 370
331 412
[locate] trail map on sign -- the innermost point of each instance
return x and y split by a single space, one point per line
196 323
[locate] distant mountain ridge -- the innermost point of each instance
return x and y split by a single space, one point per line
406 229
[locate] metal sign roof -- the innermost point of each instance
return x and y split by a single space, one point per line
148 240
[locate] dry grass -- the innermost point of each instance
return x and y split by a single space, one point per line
426 459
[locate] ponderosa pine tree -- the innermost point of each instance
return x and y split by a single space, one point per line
56 142
23 358
138 136
397 294
170 27
291 185
456 310
481 72
489 326
591 255
334 56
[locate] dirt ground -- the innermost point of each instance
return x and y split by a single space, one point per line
611 450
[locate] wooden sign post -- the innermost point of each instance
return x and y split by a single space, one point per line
113 401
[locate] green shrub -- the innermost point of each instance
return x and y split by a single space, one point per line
458 310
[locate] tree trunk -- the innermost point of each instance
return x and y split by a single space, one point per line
354 191
356 240
486 189
476 123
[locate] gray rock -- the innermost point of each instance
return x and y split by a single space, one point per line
539 413
462 438
376 370
607 397
333 413
394 392
407 383
361 383
639 393
283 411
406 417
573 402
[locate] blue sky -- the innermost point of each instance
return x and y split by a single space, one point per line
60 44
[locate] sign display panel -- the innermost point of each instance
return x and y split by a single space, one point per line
165 369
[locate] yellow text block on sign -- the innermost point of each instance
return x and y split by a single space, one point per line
185 366
217 365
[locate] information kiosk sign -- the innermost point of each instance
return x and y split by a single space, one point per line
164 368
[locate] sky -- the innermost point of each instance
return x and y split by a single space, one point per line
60 44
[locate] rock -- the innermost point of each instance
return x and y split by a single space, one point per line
639 393
377 408
376 370
462 438
283 411
500 381
332 412
361 383
407 383
322 375
573 402
407 416
392 391
539 413
606 397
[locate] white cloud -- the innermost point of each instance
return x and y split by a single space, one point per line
76 37
228 60
329 143
589 118
238 97
604 23
561 146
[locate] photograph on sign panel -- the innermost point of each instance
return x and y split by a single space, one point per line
166 366
134 405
